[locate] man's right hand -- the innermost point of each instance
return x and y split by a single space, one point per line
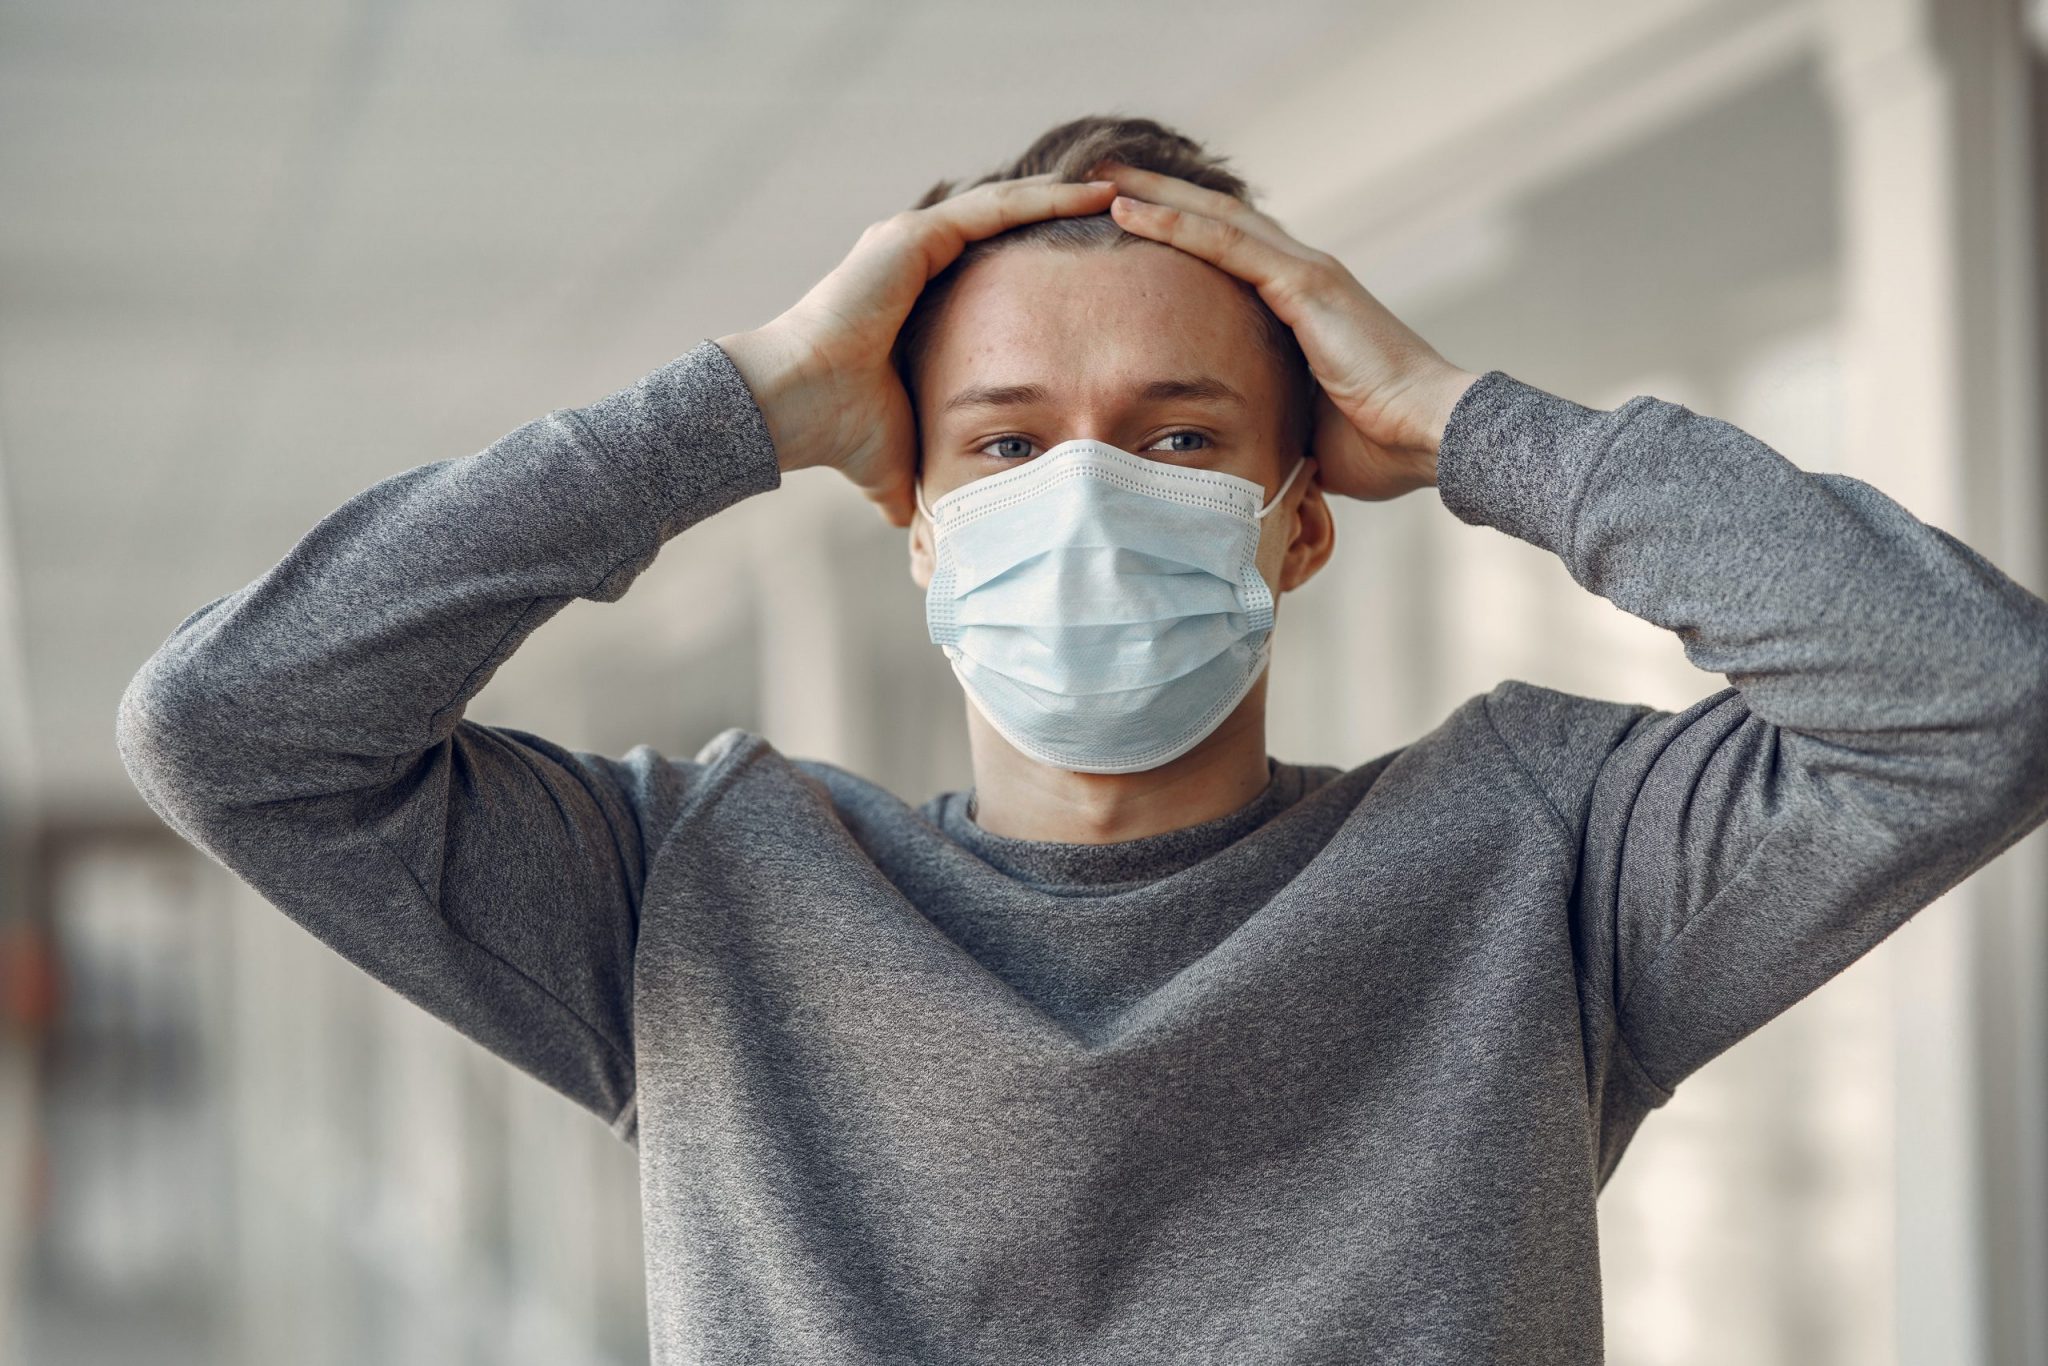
821 371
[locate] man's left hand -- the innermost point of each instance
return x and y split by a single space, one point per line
1386 393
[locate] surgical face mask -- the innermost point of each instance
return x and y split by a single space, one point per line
1104 611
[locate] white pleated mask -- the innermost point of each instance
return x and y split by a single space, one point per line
1103 610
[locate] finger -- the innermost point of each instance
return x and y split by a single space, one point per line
1000 205
1280 276
901 507
895 501
1160 188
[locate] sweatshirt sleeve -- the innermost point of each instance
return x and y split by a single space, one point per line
1885 734
307 731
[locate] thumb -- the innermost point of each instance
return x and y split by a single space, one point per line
885 478
896 501
888 478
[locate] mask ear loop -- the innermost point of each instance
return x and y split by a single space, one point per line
917 487
1285 484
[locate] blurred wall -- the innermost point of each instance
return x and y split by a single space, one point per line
1813 220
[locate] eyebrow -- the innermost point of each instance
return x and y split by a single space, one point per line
1197 387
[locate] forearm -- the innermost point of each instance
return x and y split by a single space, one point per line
362 646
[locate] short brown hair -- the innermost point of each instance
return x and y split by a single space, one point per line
1070 152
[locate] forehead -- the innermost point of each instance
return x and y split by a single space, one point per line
1089 323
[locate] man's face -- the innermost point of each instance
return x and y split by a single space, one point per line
1090 331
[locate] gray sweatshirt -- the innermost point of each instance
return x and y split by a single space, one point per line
1334 1077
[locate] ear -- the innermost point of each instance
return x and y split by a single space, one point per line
1315 533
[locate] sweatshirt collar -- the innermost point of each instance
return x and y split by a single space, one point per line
1052 863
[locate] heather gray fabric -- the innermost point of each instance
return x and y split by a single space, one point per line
1335 1077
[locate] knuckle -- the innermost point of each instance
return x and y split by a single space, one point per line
1298 286
1318 277
898 226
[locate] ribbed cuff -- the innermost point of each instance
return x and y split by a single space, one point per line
694 434
1515 457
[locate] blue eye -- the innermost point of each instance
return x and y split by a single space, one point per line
1183 450
1025 439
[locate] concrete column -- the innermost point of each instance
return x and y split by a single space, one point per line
1941 300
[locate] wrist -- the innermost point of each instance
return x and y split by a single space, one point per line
1436 397
774 372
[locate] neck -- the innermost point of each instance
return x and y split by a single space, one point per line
1017 797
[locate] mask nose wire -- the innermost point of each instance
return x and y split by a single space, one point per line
1285 484
917 488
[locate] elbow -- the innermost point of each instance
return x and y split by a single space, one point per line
146 739
2010 770
1974 773
160 733
2028 767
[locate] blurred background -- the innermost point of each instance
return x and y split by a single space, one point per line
255 258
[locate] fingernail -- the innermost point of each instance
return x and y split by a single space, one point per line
1101 184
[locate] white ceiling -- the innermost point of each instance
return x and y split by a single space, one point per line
259 256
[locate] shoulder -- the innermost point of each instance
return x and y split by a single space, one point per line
1560 740
742 765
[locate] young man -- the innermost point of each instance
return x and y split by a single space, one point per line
1151 1047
